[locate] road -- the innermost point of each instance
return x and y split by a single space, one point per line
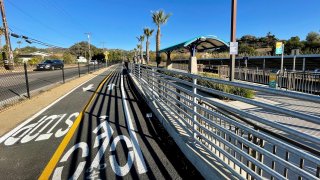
94 134
13 85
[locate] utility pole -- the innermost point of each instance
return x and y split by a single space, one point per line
10 63
105 58
233 37
89 46
103 43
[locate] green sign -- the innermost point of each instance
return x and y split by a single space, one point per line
273 80
279 48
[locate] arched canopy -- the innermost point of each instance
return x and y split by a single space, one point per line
199 44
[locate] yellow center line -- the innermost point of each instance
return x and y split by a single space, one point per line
46 173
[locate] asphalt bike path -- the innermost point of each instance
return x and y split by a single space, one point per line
101 130
25 151
112 140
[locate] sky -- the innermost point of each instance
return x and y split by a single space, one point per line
117 23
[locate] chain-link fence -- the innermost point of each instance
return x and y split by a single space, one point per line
25 81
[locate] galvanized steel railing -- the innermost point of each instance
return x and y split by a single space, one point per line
242 142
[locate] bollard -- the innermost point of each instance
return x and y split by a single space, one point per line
79 69
27 80
63 75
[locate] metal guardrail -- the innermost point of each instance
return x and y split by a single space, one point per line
306 82
237 139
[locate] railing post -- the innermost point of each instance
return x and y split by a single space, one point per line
27 80
63 75
79 69
139 71
153 79
194 90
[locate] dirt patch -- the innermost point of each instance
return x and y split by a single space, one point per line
16 114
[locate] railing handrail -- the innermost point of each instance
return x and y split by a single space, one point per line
205 123
287 93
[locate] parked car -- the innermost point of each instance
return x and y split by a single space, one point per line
50 65
93 62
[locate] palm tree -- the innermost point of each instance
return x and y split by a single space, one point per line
141 39
135 55
147 32
139 48
159 18
1 33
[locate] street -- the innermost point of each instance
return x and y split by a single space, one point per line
13 85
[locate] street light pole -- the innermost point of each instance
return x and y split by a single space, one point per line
233 37
89 46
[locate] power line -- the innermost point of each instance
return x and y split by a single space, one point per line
59 10
32 40
22 31
35 19
66 13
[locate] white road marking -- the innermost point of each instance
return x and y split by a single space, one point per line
4 137
90 86
57 175
110 86
149 115
121 170
141 165
103 117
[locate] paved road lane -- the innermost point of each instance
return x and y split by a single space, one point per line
115 139
112 138
13 85
26 150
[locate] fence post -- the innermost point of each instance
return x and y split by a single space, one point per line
153 79
194 90
63 74
26 78
79 69
88 68
139 71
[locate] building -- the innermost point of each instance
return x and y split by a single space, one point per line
27 57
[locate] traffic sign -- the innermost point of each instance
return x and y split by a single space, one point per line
234 48
279 47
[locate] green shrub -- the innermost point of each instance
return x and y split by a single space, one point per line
247 93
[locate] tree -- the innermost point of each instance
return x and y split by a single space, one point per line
270 39
313 37
246 50
82 49
35 60
135 55
100 57
312 43
147 32
141 39
68 58
293 43
159 18
139 50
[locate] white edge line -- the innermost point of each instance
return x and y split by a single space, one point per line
141 165
4 137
